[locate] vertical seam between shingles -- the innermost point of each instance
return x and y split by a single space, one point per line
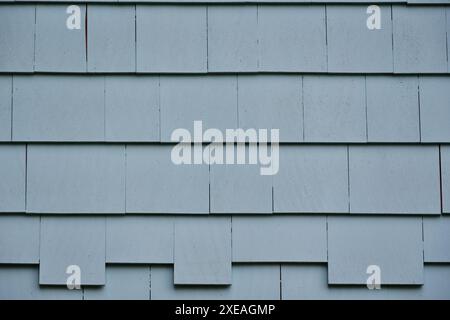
207 38
348 178
135 38
392 38
237 100
26 177
258 49
34 37
446 36
150 283
423 243
86 36
326 234
326 33
303 108
419 106
366 107
281 284
440 180
104 108
159 107
12 107
126 176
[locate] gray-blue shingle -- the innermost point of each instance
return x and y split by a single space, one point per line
392 109
352 47
394 179
419 39
312 179
436 239
171 38
334 108
111 45
58 48
232 38
61 108
292 38
156 185
17 27
272 102
445 176
139 239
5 107
19 239
76 179
132 108
202 252
13 176
80 241
394 244
282 238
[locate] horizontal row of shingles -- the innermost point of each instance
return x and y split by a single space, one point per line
310 108
249 38
108 179
244 1
202 249
255 282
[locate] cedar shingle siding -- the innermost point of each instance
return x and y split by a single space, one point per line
86 179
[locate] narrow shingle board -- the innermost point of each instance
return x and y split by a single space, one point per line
272 102
312 179
76 179
419 39
202 251
352 47
58 108
434 108
280 239
240 188
185 99
232 38
250 282
19 239
445 177
111 38
156 185
292 38
5 107
139 239
13 176
394 244
17 37
132 108
122 283
392 109
334 108
436 239
58 48
171 38
72 241
22 283
394 179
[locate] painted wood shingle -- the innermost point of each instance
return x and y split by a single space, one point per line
5 107
436 239
13 176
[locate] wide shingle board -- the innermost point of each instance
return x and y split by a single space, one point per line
156 185
392 109
5 107
19 239
61 108
419 39
132 108
279 239
434 109
394 244
111 38
122 283
292 38
232 38
12 182
394 179
72 241
139 239
202 251
272 102
334 108
250 282
171 38
17 37
436 238
352 46
312 179
58 48
185 99
76 179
